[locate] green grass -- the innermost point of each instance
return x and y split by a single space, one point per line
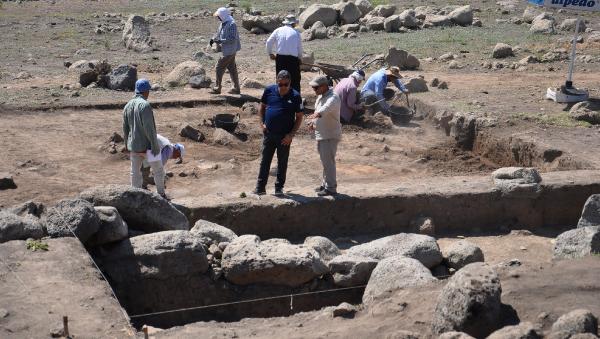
34 245
376 3
561 119
432 42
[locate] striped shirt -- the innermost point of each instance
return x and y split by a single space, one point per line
229 39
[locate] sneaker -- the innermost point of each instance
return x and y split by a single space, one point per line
259 191
319 189
234 91
278 191
325 192
215 90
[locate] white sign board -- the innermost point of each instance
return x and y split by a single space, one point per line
577 5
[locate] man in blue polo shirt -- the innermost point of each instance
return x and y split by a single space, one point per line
280 118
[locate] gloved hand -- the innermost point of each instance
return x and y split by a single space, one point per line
211 42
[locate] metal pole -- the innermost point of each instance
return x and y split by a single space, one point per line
569 83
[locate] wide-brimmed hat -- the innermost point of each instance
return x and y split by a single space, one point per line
290 19
395 71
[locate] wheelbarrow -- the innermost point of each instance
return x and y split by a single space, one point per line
338 72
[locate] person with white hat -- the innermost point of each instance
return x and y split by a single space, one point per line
347 90
228 38
167 151
141 139
284 46
372 92
325 122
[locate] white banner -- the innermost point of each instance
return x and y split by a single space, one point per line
577 5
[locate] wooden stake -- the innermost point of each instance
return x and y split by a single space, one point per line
66 326
145 329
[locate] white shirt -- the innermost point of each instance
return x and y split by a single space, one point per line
286 41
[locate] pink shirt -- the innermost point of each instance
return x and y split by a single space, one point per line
346 90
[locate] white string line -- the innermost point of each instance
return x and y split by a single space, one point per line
15 274
127 318
245 301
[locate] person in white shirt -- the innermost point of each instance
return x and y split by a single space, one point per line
285 47
167 151
325 122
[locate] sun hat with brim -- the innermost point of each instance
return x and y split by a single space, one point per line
290 20
319 81
395 71
142 85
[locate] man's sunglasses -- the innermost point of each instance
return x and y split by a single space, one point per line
281 84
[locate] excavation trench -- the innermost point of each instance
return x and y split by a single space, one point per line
460 205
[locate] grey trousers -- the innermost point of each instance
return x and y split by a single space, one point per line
227 63
327 150
136 172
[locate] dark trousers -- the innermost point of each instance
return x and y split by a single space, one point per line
292 65
272 143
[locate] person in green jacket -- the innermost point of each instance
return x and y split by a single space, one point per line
140 135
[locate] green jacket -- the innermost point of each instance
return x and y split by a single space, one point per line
139 127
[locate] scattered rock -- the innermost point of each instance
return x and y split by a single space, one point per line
265 23
351 270
402 59
517 180
462 253
570 24
590 216
249 83
181 74
462 128
543 23
141 209
202 57
160 255
7 181
200 81
443 85
349 13
502 50
16 227
383 11
22 76
214 233
588 111
70 216
530 13
222 137
375 23
325 247
470 302
530 59
250 107
442 119
454 335
578 243
123 78
437 21
364 6
112 227
4 313
136 34
29 207
417 246
416 85
391 24
247 260
524 330
577 321
394 273
462 16
187 131
317 12
344 310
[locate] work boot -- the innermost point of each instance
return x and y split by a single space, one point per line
279 191
259 191
234 91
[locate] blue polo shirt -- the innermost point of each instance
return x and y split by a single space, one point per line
280 114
